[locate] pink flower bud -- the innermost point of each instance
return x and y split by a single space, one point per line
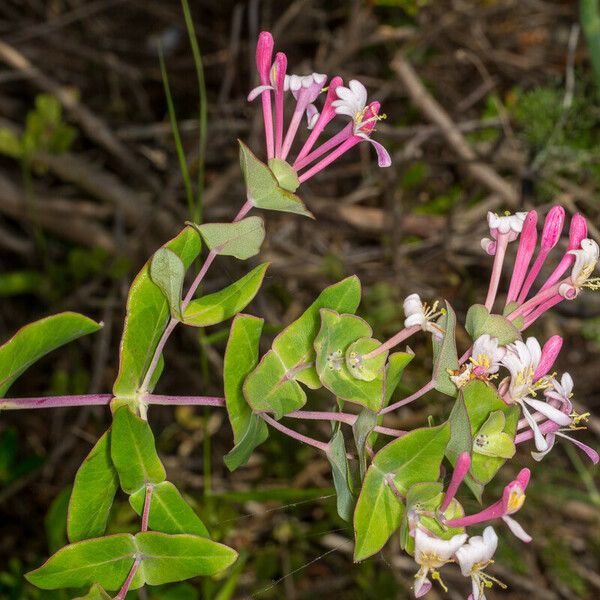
264 52
280 67
577 231
550 352
525 251
553 226
334 84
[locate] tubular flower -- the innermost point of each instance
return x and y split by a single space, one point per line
474 557
586 259
306 89
522 360
421 314
506 225
511 502
431 553
486 356
560 395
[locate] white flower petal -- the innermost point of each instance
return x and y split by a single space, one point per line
559 417
516 529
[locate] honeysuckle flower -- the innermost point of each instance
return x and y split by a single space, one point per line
522 360
507 225
511 502
431 553
352 100
527 244
586 259
486 356
421 314
474 557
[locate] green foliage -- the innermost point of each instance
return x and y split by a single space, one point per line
146 319
133 452
37 339
226 303
285 174
273 385
94 489
167 272
241 357
96 593
241 239
480 321
45 131
169 512
55 520
106 561
263 187
336 454
415 457
445 357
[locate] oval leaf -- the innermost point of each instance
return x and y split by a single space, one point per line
220 306
133 452
167 271
480 321
413 458
241 239
445 357
241 356
105 561
93 493
170 558
37 339
146 318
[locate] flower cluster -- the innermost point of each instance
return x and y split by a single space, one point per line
349 101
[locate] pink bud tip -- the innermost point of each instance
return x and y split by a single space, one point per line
280 70
523 478
334 84
577 231
553 226
529 231
550 353
264 52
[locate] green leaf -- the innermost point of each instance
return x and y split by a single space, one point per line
241 356
133 452
170 558
480 321
10 144
263 188
413 458
37 339
94 489
286 177
220 306
366 369
55 521
241 239
491 439
362 428
169 512
146 319
337 333
336 454
481 400
461 438
273 385
167 271
445 357
105 561
96 593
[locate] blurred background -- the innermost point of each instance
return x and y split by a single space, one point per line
491 105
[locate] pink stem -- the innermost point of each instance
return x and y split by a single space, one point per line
294 434
426 388
123 591
310 142
188 297
335 154
393 341
533 273
55 401
547 427
347 418
147 502
501 246
184 400
331 143
268 120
